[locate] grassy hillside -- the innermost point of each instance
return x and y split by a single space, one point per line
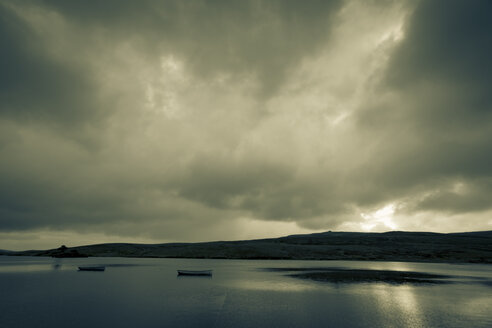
471 247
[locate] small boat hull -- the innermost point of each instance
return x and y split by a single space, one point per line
194 272
92 268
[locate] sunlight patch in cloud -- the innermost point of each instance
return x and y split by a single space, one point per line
380 218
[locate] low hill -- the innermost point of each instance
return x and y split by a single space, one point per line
469 247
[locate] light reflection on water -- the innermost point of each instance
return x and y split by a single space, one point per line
401 300
45 292
279 286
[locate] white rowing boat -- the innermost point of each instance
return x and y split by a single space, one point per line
194 272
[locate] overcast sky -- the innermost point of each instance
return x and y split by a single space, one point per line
159 121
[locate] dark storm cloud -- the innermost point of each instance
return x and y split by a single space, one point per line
35 86
438 127
446 42
272 192
448 51
362 104
225 183
256 38
472 197
260 38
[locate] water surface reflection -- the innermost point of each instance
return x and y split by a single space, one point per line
43 292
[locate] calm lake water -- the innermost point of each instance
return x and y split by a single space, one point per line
46 292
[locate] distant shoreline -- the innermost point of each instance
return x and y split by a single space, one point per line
443 261
420 247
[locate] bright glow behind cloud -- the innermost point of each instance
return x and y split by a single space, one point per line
381 218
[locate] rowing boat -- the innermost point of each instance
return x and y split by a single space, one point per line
194 272
92 268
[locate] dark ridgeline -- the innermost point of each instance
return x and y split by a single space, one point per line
469 247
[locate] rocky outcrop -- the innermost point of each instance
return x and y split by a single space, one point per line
64 251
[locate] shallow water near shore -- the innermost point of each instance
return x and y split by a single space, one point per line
139 292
